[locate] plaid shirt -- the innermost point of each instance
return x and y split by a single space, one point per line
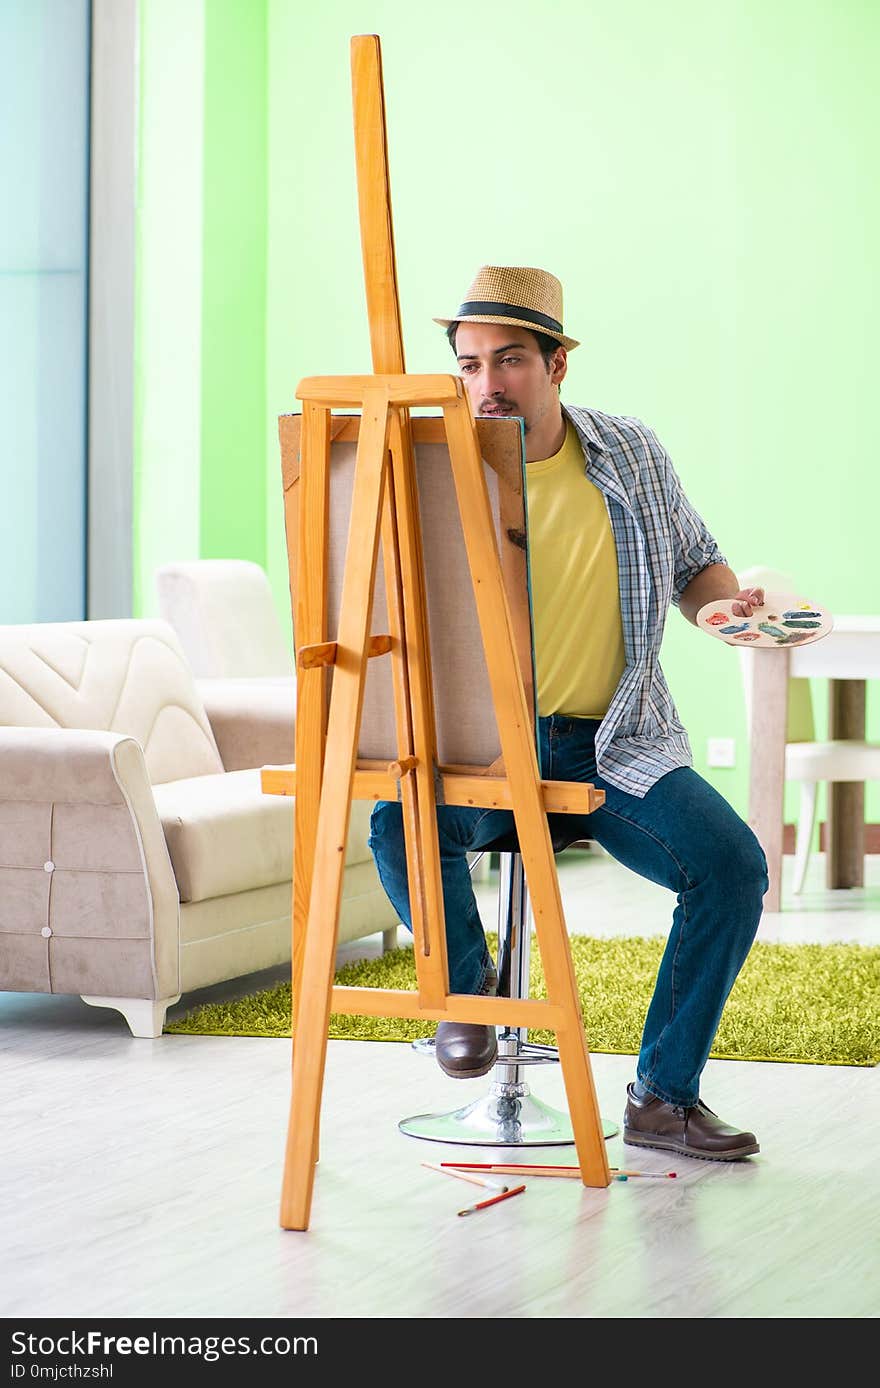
661 545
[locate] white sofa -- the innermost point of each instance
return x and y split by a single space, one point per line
139 857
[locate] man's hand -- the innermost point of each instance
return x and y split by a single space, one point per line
746 600
718 583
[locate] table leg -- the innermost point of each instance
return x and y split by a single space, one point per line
845 819
769 715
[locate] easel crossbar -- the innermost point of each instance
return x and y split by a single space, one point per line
346 392
467 1007
459 788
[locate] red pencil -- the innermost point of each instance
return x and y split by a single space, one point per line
484 1204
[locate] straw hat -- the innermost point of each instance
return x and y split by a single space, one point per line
516 294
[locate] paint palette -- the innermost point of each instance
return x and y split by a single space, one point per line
784 620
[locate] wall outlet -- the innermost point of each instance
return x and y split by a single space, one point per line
721 751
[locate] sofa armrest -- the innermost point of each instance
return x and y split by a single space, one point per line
88 899
253 720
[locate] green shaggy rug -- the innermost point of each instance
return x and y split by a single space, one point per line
813 1004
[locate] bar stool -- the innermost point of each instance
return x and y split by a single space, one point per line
509 1115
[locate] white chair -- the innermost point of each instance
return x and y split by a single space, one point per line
807 761
225 616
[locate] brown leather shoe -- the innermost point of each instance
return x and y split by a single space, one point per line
465 1050
692 1132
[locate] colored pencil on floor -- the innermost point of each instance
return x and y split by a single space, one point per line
573 1172
465 1176
484 1204
516 1169
653 1175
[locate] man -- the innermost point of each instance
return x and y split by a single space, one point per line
613 541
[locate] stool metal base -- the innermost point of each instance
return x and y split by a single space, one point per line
508 1116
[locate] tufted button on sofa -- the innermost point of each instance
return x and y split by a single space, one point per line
139 858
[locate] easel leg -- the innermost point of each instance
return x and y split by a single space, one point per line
583 1107
414 711
310 624
313 1009
520 760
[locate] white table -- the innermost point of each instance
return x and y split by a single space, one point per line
847 657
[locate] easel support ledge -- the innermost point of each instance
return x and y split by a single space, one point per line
459 788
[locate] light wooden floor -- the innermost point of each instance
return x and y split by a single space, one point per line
142 1178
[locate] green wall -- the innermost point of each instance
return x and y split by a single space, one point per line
234 425
168 292
200 422
700 175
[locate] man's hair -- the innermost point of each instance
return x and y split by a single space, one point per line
547 345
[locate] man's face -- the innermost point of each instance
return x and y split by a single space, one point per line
505 374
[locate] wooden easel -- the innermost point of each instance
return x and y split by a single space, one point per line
328 774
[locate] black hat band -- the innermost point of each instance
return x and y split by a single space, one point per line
485 307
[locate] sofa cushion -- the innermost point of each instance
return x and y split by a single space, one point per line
225 835
128 676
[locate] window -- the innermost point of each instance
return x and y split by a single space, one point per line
44 176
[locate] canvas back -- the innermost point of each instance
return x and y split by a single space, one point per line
467 732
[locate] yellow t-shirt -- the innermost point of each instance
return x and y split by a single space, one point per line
579 652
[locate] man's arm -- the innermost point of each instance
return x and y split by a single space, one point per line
716 583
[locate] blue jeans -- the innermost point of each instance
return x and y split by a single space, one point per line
682 834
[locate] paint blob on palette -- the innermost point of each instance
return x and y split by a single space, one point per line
784 620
